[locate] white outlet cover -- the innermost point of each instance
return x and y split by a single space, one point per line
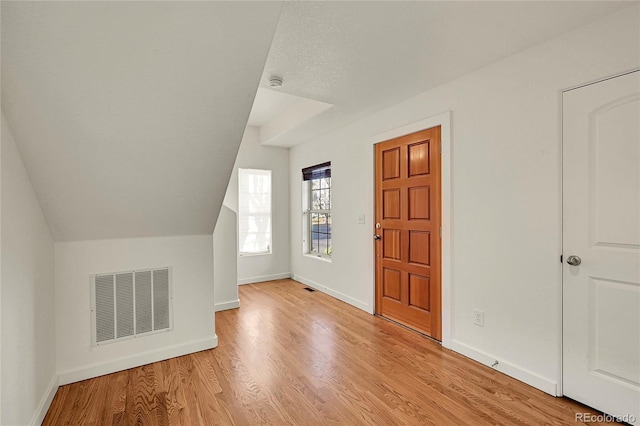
361 219
478 318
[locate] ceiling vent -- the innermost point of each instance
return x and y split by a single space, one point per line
126 305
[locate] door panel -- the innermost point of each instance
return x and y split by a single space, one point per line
418 158
613 340
419 242
391 164
391 284
391 204
601 225
419 292
391 244
614 163
419 203
408 211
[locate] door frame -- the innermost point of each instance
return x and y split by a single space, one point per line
444 121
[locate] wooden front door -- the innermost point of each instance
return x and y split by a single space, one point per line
408 218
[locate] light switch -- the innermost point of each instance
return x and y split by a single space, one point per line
361 219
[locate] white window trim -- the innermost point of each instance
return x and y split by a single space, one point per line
269 249
306 223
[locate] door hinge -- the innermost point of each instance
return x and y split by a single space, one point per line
560 258
440 147
441 232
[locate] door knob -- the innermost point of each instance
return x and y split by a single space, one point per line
574 260
376 237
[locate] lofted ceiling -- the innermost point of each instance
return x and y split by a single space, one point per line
128 115
361 57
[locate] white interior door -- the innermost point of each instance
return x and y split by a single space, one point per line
601 226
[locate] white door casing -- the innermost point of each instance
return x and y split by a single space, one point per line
601 225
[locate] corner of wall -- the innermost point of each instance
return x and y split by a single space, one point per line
224 306
334 293
136 360
264 278
225 260
517 372
252 154
27 274
45 402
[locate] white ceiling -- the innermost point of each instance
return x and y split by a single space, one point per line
128 115
275 113
364 56
268 104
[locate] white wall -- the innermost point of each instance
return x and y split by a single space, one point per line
2 125
506 199
252 155
225 260
191 258
28 333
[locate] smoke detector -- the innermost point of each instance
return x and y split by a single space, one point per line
275 81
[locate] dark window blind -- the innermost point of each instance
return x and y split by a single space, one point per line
317 172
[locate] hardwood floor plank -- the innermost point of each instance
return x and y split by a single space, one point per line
57 405
290 357
70 404
177 406
140 402
116 398
206 387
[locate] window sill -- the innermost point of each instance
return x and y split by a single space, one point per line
315 256
254 254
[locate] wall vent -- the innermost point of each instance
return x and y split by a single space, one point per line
130 304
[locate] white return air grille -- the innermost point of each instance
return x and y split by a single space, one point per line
129 304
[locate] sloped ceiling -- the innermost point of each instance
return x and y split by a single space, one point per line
128 115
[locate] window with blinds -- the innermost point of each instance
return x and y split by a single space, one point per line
318 209
130 304
254 211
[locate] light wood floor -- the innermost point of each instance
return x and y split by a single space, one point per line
288 356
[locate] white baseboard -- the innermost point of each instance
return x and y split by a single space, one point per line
533 379
264 278
340 296
227 305
71 376
45 402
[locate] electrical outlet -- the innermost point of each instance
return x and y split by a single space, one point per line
361 219
478 318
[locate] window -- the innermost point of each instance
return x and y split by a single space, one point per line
318 212
254 211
